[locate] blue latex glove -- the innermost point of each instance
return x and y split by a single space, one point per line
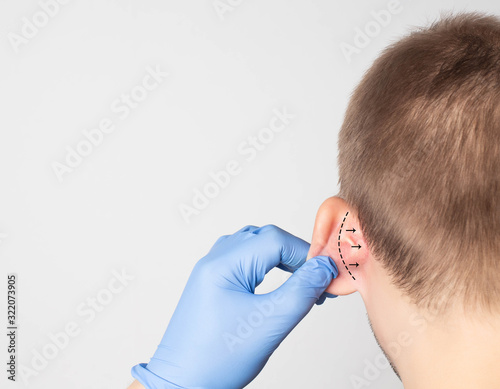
221 333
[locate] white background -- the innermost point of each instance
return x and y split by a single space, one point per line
119 209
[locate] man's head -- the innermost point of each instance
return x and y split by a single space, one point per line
419 161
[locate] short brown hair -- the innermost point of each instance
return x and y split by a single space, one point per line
419 160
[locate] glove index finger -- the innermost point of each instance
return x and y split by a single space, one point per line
292 249
293 252
248 255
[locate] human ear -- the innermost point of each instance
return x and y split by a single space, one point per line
337 233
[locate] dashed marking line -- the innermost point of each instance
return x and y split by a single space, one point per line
340 251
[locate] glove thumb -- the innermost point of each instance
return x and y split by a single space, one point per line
305 287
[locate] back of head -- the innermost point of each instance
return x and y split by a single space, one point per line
419 158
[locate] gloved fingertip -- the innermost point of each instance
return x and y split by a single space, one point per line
324 296
333 265
335 269
321 299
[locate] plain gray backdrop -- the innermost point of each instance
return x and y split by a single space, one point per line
65 70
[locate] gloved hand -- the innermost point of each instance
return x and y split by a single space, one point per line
221 333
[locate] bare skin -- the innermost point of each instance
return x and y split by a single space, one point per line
426 349
136 385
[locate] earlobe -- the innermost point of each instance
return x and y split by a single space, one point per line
337 234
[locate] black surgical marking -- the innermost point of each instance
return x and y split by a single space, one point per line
340 251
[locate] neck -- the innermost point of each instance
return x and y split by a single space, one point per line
456 352
432 350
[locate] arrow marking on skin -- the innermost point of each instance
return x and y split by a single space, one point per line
340 251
